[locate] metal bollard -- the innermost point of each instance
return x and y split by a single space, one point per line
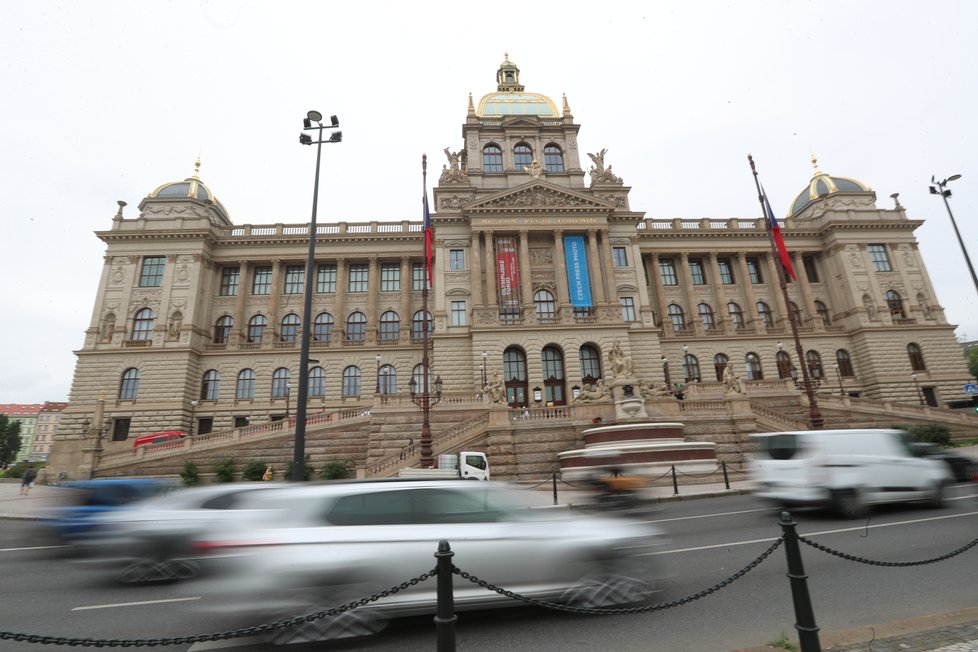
555 488
445 616
726 480
675 483
804 616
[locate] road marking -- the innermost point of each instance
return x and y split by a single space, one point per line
31 548
859 528
134 604
686 518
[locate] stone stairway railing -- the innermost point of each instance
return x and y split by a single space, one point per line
457 435
776 420
892 409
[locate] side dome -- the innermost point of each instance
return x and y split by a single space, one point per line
511 99
823 184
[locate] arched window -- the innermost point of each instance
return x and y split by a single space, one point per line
552 360
706 316
222 329
281 383
351 381
142 324
590 364
894 302
387 379
290 327
720 362
784 364
553 159
322 327
543 300
515 377
417 375
845 363
492 159
916 357
210 386
793 309
129 387
390 326
256 328
752 364
823 312
736 315
764 311
677 317
814 362
356 327
691 367
317 382
522 156
245 389
420 324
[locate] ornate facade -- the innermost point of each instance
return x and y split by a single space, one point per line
540 267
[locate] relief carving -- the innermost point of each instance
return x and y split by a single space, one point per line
453 202
538 197
541 256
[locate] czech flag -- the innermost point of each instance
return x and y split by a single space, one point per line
429 240
776 234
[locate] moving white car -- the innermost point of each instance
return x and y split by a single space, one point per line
847 470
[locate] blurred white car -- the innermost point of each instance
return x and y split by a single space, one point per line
149 541
312 547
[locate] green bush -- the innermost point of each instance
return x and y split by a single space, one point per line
189 474
254 470
224 470
306 470
336 470
17 470
931 433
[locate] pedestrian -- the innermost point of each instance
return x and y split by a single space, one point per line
28 480
268 474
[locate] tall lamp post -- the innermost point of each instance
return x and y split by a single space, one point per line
838 374
193 416
665 372
686 368
940 188
377 358
288 396
485 356
920 397
299 448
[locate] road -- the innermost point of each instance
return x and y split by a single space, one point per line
710 539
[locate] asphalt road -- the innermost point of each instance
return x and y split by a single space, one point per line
711 539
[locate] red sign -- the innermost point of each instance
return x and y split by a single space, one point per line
507 273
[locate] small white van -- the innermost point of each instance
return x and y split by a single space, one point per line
847 470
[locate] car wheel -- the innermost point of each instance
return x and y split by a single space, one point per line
938 496
608 584
848 504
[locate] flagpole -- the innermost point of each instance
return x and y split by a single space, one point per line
815 419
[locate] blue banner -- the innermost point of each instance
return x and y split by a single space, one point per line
575 256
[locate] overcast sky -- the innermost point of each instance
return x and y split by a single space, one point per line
107 100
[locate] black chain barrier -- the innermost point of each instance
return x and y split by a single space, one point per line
893 564
625 610
235 633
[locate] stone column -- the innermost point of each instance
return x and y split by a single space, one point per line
806 290
339 318
775 282
659 292
526 277
475 275
610 284
688 289
560 268
718 289
597 278
407 283
492 295
240 329
373 292
751 298
273 318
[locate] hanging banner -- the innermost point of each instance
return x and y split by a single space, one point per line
507 274
578 281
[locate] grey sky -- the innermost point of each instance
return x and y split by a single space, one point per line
108 100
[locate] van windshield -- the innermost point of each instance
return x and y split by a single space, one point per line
782 446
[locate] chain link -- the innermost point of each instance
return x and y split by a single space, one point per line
627 610
893 564
235 633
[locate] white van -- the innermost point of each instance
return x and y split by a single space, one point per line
847 470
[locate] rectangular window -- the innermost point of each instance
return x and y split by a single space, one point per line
295 276
627 308
726 271
878 257
456 259
696 271
152 274
667 271
359 275
754 271
120 428
326 279
229 281
417 276
619 256
263 281
458 313
390 277
810 271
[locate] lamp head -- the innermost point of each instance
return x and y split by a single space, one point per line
780 345
305 139
954 177
336 137
306 123
377 357
933 191
315 116
334 121
485 354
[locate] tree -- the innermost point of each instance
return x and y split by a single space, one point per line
973 361
9 439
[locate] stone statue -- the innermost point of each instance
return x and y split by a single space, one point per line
654 390
453 159
495 390
599 173
732 383
454 172
108 326
598 160
534 169
593 392
621 364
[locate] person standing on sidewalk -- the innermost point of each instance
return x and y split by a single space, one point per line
27 481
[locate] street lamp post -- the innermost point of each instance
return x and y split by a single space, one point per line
485 356
299 448
193 416
920 397
686 362
288 396
665 372
944 192
377 358
838 374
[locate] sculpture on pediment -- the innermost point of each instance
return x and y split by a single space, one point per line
534 169
454 171
598 160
